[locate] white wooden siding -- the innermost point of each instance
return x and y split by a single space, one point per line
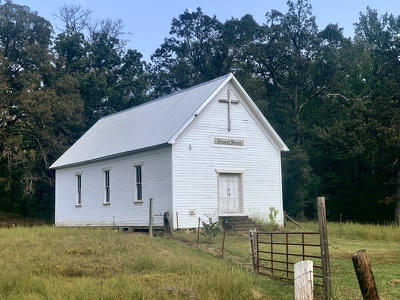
122 211
196 159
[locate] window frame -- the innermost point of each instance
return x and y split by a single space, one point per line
107 187
138 183
78 197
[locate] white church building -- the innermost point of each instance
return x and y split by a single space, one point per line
206 150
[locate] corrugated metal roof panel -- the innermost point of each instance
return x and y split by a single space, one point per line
148 125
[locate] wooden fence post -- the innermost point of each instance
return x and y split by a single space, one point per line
166 220
365 276
323 235
168 224
303 280
151 218
198 233
223 244
253 250
284 219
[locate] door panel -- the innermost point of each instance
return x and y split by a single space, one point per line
223 194
230 193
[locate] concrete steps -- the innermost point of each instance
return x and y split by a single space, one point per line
240 224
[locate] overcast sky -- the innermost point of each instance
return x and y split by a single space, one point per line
149 21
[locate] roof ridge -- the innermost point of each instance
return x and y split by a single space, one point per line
167 96
191 88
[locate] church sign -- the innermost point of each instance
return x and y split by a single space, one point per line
228 142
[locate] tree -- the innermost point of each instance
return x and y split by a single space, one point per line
110 78
285 55
380 35
200 48
23 34
38 110
184 59
50 93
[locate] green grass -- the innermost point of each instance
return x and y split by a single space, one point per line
84 263
73 263
380 241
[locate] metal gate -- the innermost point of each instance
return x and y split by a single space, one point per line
275 253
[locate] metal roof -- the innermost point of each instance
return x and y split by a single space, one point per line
154 123
150 124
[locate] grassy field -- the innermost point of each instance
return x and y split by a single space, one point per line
381 242
81 263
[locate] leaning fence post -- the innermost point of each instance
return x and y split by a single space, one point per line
223 244
323 235
303 280
252 233
365 276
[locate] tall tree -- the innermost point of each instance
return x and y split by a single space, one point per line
380 35
38 109
285 56
200 48
110 78
185 58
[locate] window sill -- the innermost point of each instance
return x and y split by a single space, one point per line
78 205
138 201
106 204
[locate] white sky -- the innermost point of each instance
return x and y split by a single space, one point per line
150 20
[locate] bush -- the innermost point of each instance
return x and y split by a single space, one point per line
211 229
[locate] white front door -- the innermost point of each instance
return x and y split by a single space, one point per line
229 194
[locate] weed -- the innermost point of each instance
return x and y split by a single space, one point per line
271 224
273 212
211 228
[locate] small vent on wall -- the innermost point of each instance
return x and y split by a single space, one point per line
192 211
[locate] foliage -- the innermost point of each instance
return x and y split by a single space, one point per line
111 79
211 228
334 100
273 212
39 111
267 223
51 92
200 48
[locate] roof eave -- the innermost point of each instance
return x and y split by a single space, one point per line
54 166
278 142
174 138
